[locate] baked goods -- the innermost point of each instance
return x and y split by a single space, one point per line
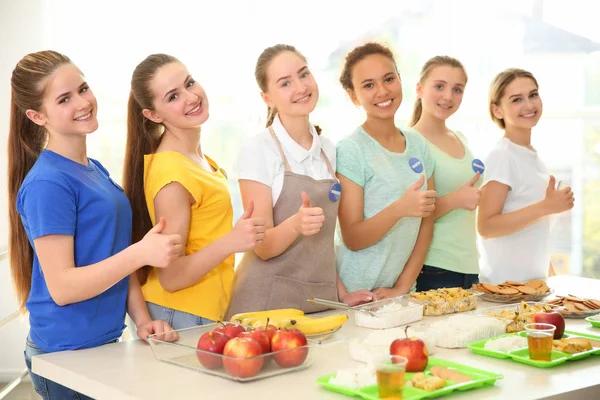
573 306
446 300
520 317
449 374
425 382
509 291
572 345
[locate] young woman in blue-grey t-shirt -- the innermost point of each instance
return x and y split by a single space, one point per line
385 215
70 224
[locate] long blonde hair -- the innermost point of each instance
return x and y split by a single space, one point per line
498 86
430 65
26 141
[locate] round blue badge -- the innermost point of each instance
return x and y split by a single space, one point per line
335 191
416 165
478 166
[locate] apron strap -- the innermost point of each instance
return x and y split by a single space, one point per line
285 161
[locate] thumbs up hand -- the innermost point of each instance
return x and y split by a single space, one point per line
248 232
416 202
158 248
308 219
468 195
558 200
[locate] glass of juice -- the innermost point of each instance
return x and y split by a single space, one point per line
539 341
390 376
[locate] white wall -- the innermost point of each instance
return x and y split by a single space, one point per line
20 33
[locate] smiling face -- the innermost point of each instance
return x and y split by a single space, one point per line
179 101
376 86
441 92
291 87
520 106
69 106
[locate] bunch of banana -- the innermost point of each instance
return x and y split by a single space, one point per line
250 318
313 326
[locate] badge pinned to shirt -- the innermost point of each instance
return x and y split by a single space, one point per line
416 165
478 166
335 192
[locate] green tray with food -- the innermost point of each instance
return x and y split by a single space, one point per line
439 378
595 321
514 346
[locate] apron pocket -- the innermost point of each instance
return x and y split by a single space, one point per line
292 293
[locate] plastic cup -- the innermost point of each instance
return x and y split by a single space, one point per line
539 341
390 376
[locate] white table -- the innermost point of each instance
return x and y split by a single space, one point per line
128 370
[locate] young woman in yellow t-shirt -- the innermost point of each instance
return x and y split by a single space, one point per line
167 174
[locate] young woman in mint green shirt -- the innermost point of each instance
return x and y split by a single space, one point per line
452 259
387 201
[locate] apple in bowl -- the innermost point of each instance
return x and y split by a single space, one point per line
242 357
289 347
231 330
211 342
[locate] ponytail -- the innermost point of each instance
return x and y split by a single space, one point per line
26 141
143 137
271 113
417 111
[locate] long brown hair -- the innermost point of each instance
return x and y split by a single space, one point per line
143 137
360 53
430 65
26 141
498 86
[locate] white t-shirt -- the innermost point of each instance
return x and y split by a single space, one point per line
260 159
523 255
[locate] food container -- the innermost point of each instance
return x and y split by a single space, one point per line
363 348
445 303
457 331
516 315
184 353
389 313
567 313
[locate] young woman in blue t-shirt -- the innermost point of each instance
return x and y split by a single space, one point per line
70 224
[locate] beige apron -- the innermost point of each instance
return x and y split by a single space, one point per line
307 268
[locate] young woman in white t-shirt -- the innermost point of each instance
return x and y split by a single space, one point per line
288 171
518 193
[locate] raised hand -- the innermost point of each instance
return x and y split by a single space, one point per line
558 200
468 195
308 219
416 202
248 231
159 249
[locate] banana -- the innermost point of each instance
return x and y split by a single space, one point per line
279 322
312 326
251 316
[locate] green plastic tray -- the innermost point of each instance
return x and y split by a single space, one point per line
595 323
522 355
480 378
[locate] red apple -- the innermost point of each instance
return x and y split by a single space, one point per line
242 357
269 330
231 330
213 342
551 317
289 347
261 337
414 350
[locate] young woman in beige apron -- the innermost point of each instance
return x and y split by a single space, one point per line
296 261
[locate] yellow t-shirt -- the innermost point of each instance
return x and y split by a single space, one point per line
211 218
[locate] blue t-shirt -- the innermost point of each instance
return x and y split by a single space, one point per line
62 197
384 176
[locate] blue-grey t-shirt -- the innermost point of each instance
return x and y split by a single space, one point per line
62 197
384 176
